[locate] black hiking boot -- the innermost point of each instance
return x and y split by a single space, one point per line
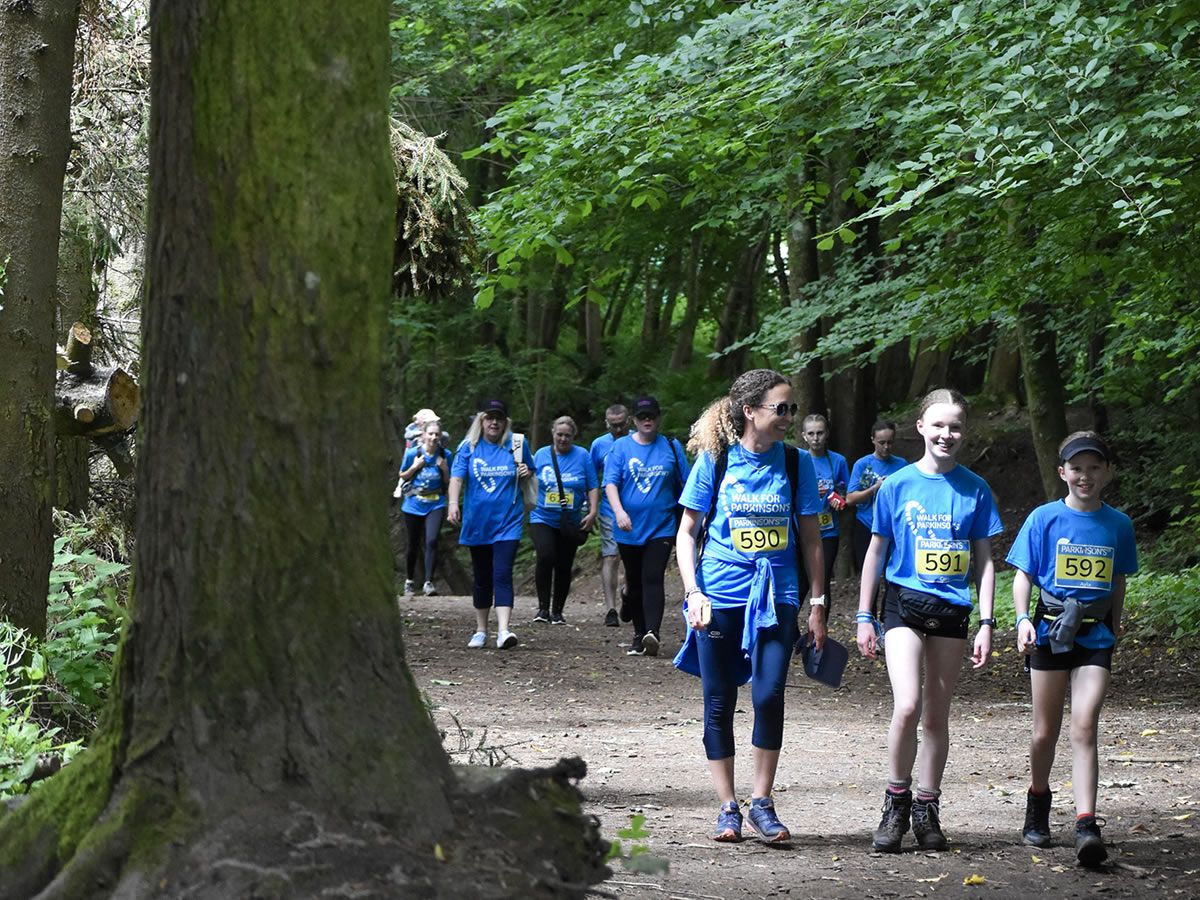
1036 832
896 811
1089 846
927 826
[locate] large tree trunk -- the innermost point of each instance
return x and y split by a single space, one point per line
1003 382
37 50
809 386
739 307
685 340
1043 391
265 736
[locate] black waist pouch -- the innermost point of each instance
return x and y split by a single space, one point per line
929 611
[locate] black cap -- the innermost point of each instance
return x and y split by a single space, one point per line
1080 444
494 406
646 406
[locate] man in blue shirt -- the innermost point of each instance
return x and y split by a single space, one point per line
616 417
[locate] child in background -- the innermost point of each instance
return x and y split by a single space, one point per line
1078 552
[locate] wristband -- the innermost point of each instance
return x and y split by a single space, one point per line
816 601
694 590
1023 617
864 617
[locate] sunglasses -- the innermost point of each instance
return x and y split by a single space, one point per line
781 409
645 417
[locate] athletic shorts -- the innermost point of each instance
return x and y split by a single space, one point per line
891 619
608 546
1045 661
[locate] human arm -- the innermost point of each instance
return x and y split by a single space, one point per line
593 508
981 552
871 570
685 556
453 514
619 515
858 498
1022 593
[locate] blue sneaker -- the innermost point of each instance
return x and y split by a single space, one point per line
729 824
766 823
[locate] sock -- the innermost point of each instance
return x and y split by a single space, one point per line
1082 816
927 795
898 787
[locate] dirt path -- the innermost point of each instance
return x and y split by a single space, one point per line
571 690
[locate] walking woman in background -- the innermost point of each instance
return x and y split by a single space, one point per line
832 477
567 485
754 501
426 467
486 478
939 519
643 477
866 478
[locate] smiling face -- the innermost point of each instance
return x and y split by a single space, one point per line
943 427
564 437
1087 474
430 436
763 422
816 435
493 427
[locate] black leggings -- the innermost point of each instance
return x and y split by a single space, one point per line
555 559
862 540
423 530
645 565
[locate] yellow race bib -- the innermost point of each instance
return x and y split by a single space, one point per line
825 519
554 498
429 498
939 560
1086 566
759 534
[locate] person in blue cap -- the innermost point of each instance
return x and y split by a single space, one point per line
486 477
753 500
1078 552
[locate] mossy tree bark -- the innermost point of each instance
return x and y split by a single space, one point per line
37 48
261 679
1043 391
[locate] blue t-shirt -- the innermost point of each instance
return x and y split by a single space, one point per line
753 519
428 491
600 448
931 521
578 477
492 507
649 478
865 473
832 475
1068 553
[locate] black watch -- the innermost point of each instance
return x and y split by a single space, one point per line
983 622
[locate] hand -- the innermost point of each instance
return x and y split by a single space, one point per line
1026 637
836 502
419 461
588 521
695 604
624 522
453 516
867 643
523 471
816 626
983 647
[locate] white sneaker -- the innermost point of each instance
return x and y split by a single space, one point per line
409 587
505 640
478 640
429 590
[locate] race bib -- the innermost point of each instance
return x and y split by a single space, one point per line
939 560
825 519
427 497
755 534
554 498
1084 566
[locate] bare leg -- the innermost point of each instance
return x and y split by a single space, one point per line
1049 691
765 764
608 579
943 664
1089 685
481 619
721 771
904 650
503 614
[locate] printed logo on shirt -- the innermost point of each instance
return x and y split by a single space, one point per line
1088 566
824 486
485 475
930 523
644 476
867 478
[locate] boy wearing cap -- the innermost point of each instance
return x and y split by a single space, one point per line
1078 552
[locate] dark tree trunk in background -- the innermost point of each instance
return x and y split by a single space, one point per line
1096 405
1043 391
809 390
929 369
893 372
738 312
265 737
681 356
37 49
1003 384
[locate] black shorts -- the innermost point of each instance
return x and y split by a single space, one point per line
1045 661
891 619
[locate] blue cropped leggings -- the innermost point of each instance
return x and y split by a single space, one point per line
492 566
720 647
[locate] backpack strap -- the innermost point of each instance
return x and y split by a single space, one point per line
720 466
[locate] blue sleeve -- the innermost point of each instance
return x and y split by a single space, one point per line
597 459
881 524
986 521
614 465
854 482
1024 552
808 499
698 490
1126 562
462 461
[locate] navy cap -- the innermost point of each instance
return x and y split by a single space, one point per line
1086 442
494 406
646 406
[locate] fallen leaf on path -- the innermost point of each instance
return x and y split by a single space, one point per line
438 853
443 682
1182 818
933 880
975 879
1036 859
1059 869
1149 731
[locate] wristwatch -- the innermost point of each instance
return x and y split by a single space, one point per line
817 601
983 622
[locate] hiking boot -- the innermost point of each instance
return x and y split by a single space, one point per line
556 618
1036 832
626 612
409 587
543 616
478 640
1089 846
429 590
611 619
636 648
650 643
926 825
896 811
766 823
729 824
505 640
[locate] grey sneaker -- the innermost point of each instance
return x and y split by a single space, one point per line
927 826
429 590
1036 832
897 808
409 587
650 643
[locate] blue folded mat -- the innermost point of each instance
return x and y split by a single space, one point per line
827 664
